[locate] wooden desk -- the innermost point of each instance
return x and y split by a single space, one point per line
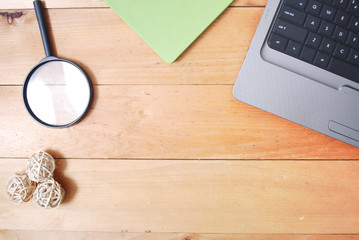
166 152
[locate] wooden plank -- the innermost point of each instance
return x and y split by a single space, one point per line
114 54
54 235
97 4
168 122
138 196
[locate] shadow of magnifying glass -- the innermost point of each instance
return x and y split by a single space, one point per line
57 93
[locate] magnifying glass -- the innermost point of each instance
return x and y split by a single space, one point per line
57 93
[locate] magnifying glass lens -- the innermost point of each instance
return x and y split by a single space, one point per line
58 93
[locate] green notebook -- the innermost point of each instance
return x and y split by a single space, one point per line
168 26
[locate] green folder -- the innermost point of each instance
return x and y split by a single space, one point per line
168 26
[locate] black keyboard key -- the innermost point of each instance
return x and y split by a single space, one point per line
314 7
341 51
313 40
353 40
277 42
328 2
354 7
308 54
327 46
326 28
354 24
340 34
354 57
344 69
322 60
312 23
294 48
342 18
328 13
292 14
341 3
290 31
300 4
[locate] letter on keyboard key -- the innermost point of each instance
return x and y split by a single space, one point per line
314 7
277 42
341 3
292 14
354 24
328 13
322 60
340 34
294 48
313 23
344 69
354 57
327 46
297 3
354 7
290 31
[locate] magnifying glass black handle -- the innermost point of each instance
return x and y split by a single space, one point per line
43 29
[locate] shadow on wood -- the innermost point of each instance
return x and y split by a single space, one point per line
66 183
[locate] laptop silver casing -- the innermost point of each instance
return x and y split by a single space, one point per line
295 90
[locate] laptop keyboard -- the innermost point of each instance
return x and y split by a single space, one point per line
324 33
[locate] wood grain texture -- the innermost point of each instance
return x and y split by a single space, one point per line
166 152
57 235
96 4
168 122
112 53
194 196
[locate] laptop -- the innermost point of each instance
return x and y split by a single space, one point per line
303 65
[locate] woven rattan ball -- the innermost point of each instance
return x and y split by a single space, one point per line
20 188
40 166
48 194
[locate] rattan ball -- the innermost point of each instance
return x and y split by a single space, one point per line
48 194
20 188
40 166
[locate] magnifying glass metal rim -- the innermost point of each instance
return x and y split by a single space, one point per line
50 58
28 77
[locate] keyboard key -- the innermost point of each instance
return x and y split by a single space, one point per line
328 13
277 42
313 40
342 18
354 24
344 69
326 28
292 14
341 51
340 34
341 3
328 2
327 46
314 7
290 31
312 23
294 48
354 7
322 60
354 57
308 54
353 40
301 4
